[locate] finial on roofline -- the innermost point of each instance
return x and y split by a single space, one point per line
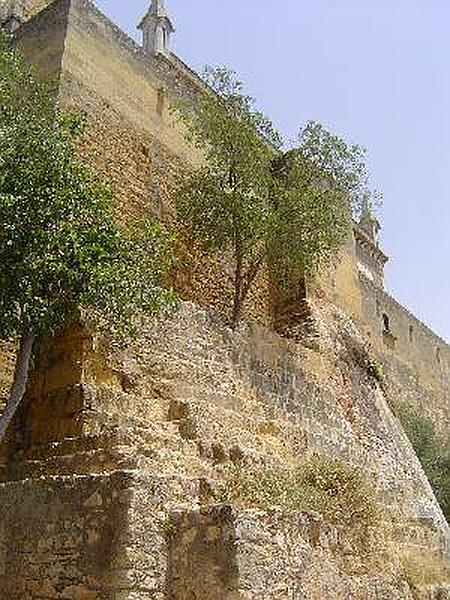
156 29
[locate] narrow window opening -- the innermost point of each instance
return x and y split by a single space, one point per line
388 337
160 104
438 355
411 333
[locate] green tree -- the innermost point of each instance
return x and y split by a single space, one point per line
226 203
319 185
433 453
62 255
252 202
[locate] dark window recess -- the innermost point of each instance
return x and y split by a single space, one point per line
438 355
388 338
161 101
411 333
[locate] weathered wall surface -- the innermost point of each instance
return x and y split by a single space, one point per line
25 9
60 537
271 555
139 148
179 407
6 8
93 537
43 39
109 63
340 283
132 139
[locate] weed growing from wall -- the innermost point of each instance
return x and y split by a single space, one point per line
332 488
375 370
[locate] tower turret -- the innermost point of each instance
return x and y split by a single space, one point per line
156 28
370 257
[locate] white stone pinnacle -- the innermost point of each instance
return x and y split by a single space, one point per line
156 29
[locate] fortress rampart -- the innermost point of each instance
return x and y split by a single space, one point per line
110 467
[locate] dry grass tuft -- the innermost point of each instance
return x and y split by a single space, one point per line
423 570
334 489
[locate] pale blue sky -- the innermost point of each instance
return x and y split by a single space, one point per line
376 72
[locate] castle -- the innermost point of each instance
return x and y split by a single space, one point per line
108 473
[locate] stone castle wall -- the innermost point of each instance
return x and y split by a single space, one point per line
138 147
162 421
133 141
111 468
132 138
26 9
43 38
64 536
415 357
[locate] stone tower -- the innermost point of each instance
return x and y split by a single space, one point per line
156 29
371 260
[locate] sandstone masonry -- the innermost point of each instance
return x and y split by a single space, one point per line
109 472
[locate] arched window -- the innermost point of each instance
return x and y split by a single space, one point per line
386 323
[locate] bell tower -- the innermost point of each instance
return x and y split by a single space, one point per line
156 27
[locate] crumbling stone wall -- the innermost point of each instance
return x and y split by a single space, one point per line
93 537
60 538
43 39
168 416
25 9
224 553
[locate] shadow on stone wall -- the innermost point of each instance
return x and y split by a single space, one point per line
202 561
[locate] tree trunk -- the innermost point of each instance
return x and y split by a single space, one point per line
20 382
238 299
237 309
242 284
